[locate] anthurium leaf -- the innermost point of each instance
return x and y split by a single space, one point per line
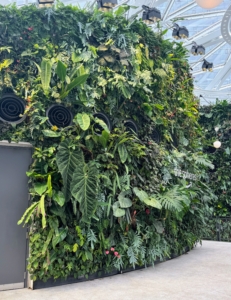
40 188
46 73
59 237
117 211
61 70
84 187
124 202
59 198
123 153
83 121
102 124
68 159
51 133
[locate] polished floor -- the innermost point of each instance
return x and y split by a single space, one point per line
202 274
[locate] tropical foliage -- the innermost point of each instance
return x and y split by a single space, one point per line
107 199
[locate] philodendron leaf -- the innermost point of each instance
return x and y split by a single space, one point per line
59 237
83 121
117 211
51 133
76 82
40 188
46 73
68 159
124 201
59 198
61 71
123 153
84 187
142 195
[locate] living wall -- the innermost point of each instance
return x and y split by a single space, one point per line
219 116
104 194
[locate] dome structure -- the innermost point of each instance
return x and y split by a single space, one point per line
209 25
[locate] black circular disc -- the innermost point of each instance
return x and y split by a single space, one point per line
58 115
11 109
131 126
99 129
155 136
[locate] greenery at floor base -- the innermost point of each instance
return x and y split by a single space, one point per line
103 199
218 115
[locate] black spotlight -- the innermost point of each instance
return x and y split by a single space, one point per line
58 115
98 129
131 126
155 136
45 3
12 109
106 5
150 15
180 32
207 66
197 50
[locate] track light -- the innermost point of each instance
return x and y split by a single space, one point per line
207 66
197 50
45 3
150 15
106 5
180 32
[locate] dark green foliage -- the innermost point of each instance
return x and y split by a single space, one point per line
117 191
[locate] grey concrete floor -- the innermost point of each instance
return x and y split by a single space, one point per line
202 274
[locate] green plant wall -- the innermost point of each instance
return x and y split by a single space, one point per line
108 200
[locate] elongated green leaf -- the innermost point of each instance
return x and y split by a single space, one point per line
51 133
61 71
76 82
46 74
46 244
59 198
40 188
49 186
153 202
123 153
84 188
27 214
83 121
67 160
41 209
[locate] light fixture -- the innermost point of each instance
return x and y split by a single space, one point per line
45 3
150 15
106 5
207 66
217 144
208 3
195 50
180 32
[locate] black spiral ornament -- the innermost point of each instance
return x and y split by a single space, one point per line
58 115
155 136
12 109
131 126
98 129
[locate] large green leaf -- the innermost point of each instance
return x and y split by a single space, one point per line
124 201
142 195
59 237
153 202
84 188
51 133
68 158
83 121
59 198
40 188
46 73
117 211
61 71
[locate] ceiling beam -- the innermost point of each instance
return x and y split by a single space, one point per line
167 10
180 11
204 15
195 73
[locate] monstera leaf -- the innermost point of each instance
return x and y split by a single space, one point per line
84 188
68 159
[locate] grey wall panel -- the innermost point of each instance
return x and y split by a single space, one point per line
14 162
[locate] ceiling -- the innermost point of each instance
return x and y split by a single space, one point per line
205 27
